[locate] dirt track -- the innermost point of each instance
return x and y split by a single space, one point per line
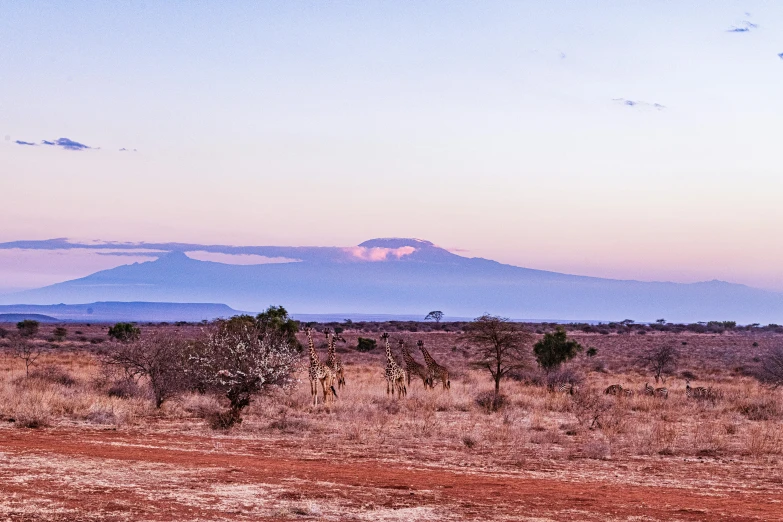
106 475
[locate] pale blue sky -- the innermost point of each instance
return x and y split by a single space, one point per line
492 127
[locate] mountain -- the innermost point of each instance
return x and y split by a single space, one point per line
110 312
15 318
404 277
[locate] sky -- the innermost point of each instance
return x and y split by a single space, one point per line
632 140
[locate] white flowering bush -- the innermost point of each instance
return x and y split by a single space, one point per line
237 359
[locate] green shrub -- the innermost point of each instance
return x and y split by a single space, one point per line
124 332
554 349
365 345
27 328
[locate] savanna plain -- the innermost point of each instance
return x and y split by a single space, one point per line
79 441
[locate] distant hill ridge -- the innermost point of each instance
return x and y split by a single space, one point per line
397 276
15 318
100 312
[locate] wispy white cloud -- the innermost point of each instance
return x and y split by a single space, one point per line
379 253
237 259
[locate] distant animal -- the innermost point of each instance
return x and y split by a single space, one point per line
412 367
614 389
395 376
435 370
333 362
319 372
568 387
699 392
663 393
648 390
628 393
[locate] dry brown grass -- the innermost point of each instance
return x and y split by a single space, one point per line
743 421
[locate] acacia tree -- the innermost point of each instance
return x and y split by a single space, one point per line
498 345
160 358
661 360
435 315
237 359
27 352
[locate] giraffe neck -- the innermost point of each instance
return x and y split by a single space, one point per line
429 360
313 356
330 341
388 351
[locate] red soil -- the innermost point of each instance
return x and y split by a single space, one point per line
64 474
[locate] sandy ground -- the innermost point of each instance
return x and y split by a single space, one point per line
78 474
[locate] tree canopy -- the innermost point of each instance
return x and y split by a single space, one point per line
555 349
498 346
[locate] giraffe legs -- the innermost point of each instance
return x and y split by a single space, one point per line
314 391
402 391
327 384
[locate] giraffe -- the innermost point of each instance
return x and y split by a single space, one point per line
333 362
319 372
395 376
414 368
435 370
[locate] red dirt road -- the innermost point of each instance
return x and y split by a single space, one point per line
105 475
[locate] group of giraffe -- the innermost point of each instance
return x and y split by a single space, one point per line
332 373
398 378
327 374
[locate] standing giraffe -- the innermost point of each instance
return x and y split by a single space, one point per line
395 376
319 372
435 370
333 362
412 367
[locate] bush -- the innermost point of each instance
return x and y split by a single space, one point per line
237 359
771 372
564 376
489 401
124 389
276 324
27 328
591 352
760 409
160 359
3 333
223 420
124 332
53 374
366 345
554 349
60 333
